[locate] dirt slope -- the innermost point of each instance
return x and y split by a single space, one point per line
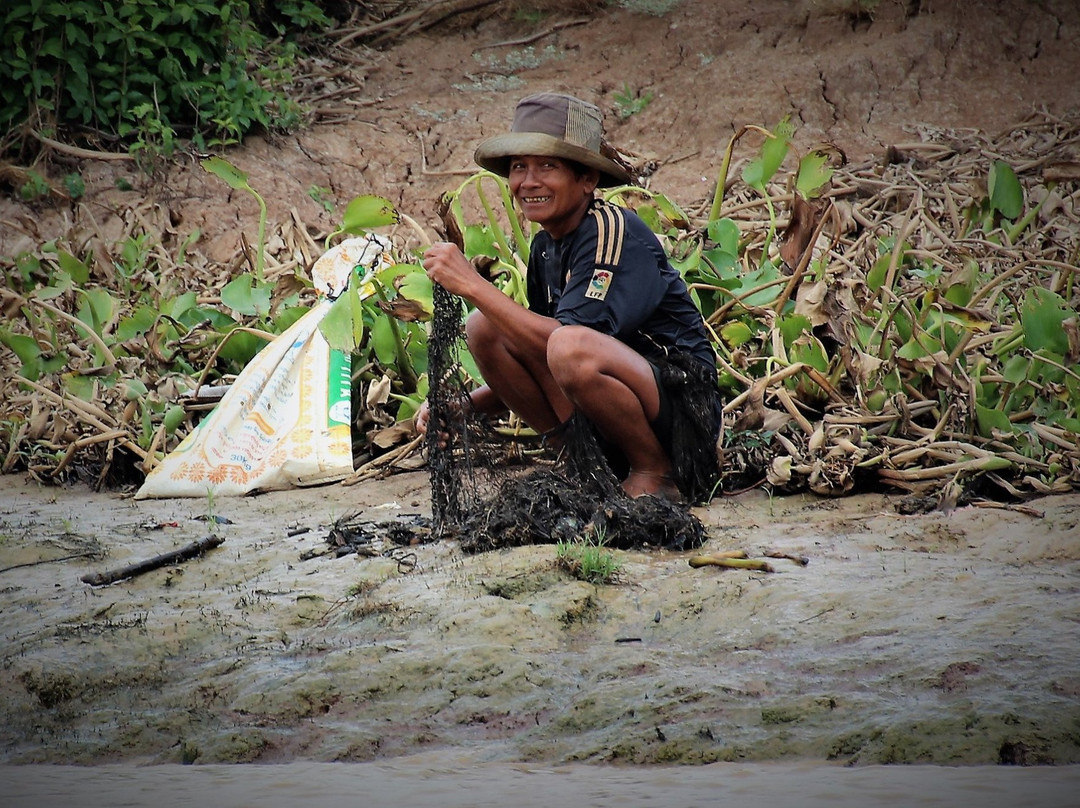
402 122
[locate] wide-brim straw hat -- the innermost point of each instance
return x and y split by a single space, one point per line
553 125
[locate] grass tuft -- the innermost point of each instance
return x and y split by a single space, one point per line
587 559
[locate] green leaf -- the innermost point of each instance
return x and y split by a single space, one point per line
240 349
990 419
670 211
174 416
79 272
468 361
1006 194
1016 369
809 350
480 240
919 348
650 214
237 295
98 309
792 327
343 325
875 278
177 307
1041 317
61 283
688 263
902 323
137 324
767 273
28 351
417 286
960 284
416 347
260 294
725 234
736 333
78 385
760 170
244 295
224 170
368 211
289 316
720 266
383 342
813 174
133 389
410 404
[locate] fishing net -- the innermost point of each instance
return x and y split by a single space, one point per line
453 427
485 502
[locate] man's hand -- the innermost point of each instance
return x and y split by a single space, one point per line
422 420
422 417
448 267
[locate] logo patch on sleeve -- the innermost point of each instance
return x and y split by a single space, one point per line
599 285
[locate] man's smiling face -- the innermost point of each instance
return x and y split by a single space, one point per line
551 193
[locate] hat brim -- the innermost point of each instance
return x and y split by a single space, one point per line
494 154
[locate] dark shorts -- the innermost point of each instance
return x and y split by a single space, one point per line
662 423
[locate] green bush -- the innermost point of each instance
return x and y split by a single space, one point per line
146 70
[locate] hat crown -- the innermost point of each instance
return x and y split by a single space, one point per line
561 116
553 125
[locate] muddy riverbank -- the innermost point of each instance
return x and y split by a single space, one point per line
945 638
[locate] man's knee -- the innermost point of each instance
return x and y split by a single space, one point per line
570 354
480 334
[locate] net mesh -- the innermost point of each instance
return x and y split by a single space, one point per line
485 497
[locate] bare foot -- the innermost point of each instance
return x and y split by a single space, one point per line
650 483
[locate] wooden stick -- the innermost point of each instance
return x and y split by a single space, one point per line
937 472
139 567
718 560
533 37
789 405
410 17
1005 506
801 560
75 151
385 459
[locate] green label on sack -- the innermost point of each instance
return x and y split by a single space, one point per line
339 389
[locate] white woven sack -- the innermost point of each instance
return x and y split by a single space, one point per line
285 421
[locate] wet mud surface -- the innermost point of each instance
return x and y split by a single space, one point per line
932 638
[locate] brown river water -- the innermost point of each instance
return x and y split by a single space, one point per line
448 780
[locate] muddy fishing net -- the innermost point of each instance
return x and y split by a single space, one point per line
486 494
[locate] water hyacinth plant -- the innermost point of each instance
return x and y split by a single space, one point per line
910 323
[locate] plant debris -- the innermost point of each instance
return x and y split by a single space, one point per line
921 334
352 534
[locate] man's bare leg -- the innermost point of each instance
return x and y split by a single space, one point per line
614 387
522 382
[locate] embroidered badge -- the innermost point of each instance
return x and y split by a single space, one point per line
599 285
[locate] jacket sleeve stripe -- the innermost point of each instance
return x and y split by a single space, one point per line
610 231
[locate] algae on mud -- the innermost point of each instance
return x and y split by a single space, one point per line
936 638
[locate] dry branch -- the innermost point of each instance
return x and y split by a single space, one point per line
416 19
186 552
